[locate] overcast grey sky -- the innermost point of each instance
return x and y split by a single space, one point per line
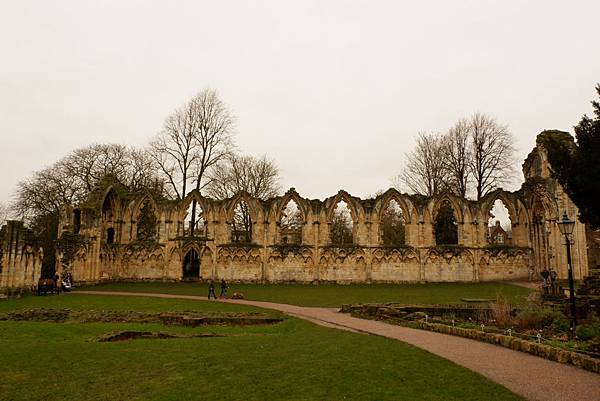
334 91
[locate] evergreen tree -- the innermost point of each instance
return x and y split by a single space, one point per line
146 225
446 228
575 164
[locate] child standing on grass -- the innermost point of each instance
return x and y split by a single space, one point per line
211 289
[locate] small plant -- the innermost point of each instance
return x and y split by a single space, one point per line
589 331
561 325
536 317
502 312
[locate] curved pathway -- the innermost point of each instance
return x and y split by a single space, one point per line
532 377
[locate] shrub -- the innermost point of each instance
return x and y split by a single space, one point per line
536 317
501 312
561 324
589 331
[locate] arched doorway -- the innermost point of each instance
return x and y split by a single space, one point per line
191 265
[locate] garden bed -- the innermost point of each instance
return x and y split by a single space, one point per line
478 323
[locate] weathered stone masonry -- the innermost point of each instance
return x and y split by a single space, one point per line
20 257
98 239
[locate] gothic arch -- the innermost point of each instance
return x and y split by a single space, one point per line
111 202
509 202
133 212
454 203
200 249
392 194
541 202
187 201
253 211
300 202
333 202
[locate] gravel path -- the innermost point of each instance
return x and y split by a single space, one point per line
532 377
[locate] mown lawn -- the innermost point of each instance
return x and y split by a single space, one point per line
334 295
115 303
292 360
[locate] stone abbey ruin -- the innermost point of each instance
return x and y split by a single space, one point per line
117 234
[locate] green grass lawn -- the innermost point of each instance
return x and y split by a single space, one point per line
115 303
292 360
334 295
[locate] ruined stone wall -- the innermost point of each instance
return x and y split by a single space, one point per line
20 257
89 257
98 238
547 201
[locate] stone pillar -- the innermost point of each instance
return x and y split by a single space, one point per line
317 235
20 257
369 253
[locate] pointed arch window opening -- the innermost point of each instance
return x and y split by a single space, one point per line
290 224
108 207
446 226
199 225
147 222
342 225
109 217
393 225
241 224
76 221
499 224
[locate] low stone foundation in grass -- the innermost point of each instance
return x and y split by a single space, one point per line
412 312
126 335
192 319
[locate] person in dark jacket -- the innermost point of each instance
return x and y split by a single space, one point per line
224 288
211 290
545 282
56 283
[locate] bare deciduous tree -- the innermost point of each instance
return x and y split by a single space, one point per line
492 163
45 191
393 232
457 155
193 140
290 224
70 179
91 163
257 176
175 150
477 152
133 167
140 173
4 213
341 225
424 172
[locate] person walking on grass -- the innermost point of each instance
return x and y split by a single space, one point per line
211 289
224 288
